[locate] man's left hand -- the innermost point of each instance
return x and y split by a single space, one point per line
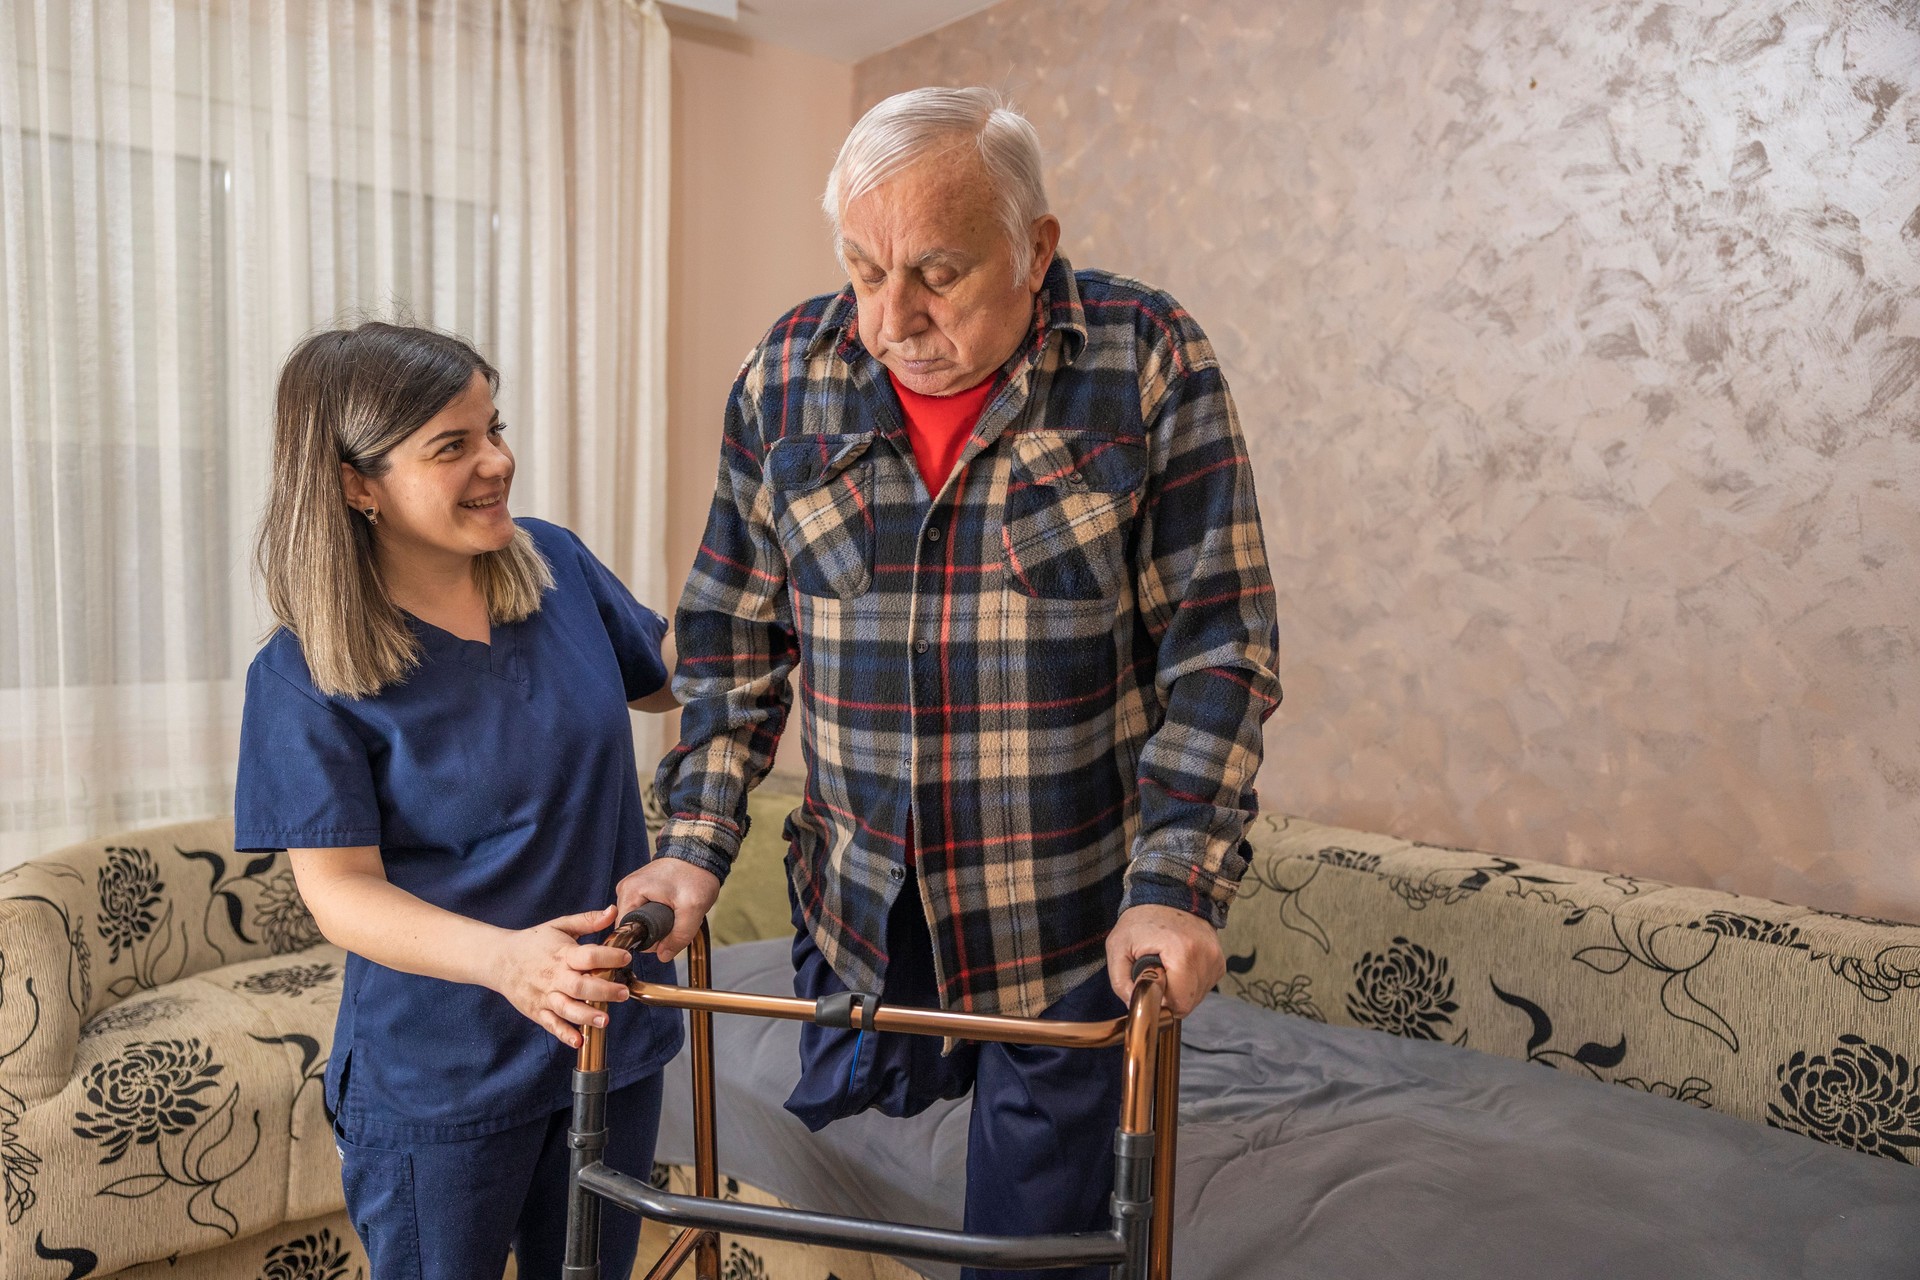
1188 946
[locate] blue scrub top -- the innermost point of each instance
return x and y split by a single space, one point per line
498 782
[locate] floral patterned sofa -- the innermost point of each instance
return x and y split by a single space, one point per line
166 1009
166 1013
167 1006
1798 1019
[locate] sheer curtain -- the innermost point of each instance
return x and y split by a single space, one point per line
188 187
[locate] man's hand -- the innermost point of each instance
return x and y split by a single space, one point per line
688 889
1186 944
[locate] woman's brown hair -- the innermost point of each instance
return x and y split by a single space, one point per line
351 395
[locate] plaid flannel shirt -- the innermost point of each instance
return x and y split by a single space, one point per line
1056 668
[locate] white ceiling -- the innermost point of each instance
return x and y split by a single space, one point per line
843 30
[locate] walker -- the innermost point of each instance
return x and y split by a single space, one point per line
1139 1244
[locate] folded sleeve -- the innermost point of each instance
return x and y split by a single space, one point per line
305 781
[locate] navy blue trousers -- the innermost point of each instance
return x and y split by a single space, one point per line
451 1210
1040 1139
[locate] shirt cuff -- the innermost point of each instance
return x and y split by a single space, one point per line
707 859
1158 880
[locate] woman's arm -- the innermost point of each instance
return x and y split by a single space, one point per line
544 971
661 699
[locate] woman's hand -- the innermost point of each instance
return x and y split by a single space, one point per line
688 889
547 972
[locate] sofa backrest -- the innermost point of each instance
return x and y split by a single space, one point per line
86 926
1800 1019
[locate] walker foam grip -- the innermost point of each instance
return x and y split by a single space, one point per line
1146 962
654 920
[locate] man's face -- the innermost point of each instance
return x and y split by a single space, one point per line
933 273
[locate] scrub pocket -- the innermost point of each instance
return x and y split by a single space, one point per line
823 512
1071 502
380 1203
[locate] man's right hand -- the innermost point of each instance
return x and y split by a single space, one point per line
688 889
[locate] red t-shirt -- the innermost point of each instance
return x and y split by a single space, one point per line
939 426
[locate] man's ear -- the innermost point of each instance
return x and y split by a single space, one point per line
1043 237
354 486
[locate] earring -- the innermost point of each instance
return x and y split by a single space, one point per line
373 515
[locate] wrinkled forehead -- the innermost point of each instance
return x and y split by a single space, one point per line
942 203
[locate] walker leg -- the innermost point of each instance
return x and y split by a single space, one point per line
1166 1124
1133 1201
706 1156
586 1144
682 1248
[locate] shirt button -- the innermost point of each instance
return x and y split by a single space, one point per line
1075 478
933 534
897 871
919 646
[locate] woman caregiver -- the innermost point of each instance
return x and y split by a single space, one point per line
437 732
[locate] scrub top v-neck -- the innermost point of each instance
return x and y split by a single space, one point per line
498 781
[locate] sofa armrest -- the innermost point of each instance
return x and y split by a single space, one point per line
86 926
1782 1015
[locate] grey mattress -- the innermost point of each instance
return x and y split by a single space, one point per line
1311 1151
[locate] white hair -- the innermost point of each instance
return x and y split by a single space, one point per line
921 122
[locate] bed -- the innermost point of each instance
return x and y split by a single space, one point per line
1546 1072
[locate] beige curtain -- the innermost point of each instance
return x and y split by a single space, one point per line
186 188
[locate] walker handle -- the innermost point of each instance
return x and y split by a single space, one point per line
648 923
1143 963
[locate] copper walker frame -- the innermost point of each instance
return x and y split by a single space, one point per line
1138 1245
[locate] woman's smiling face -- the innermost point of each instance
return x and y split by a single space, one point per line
445 488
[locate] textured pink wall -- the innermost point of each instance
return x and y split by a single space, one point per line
755 129
1578 346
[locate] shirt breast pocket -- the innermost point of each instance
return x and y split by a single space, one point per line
823 512
1071 502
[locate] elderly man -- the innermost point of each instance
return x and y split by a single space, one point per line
998 514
